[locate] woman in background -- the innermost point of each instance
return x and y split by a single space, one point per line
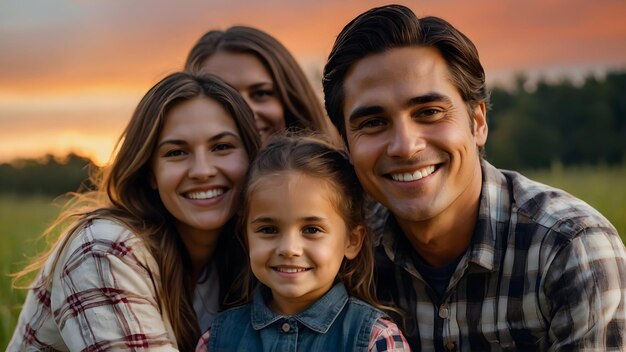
148 258
266 75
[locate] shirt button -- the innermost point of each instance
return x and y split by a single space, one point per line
450 346
443 313
286 327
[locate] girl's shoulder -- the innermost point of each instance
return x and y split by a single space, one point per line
238 313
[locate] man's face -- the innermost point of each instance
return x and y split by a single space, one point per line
409 133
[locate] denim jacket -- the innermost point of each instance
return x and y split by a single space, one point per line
335 322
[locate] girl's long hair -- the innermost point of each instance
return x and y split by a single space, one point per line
123 194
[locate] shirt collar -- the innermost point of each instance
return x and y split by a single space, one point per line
490 232
318 317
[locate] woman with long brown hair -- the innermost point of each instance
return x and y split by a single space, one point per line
147 259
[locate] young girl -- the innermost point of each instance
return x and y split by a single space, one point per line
147 263
308 247
266 75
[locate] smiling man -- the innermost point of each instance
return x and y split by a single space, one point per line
476 258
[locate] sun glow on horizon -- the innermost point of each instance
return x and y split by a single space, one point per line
96 147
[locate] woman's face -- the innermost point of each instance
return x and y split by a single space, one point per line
199 167
246 73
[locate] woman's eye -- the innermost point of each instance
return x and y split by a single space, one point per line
222 146
262 94
174 153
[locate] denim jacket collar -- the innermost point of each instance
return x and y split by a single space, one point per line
318 317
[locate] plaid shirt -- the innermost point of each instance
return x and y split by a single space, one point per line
544 271
385 336
103 297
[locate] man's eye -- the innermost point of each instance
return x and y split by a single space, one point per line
371 123
429 112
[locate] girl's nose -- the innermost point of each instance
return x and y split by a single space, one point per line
289 245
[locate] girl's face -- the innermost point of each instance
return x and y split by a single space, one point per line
296 238
246 73
199 167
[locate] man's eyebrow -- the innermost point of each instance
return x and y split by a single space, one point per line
365 111
428 98
377 109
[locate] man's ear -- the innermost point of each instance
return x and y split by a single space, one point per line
355 242
480 124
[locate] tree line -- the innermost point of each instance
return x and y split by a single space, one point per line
561 123
48 176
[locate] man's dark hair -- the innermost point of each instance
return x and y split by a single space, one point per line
396 26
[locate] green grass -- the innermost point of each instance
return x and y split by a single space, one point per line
22 221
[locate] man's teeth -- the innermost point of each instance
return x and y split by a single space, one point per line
205 195
413 176
291 270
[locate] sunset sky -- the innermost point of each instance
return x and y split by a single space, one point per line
72 71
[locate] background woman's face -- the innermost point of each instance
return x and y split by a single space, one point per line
246 73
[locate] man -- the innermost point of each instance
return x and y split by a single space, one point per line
475 257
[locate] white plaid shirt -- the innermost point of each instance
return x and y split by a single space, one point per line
103 297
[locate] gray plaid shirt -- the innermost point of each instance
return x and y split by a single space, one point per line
544 271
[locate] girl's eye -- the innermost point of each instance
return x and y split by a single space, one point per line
267 230
311 230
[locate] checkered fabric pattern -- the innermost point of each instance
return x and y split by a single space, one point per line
544 271
103 297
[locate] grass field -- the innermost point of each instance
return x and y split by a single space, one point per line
23 219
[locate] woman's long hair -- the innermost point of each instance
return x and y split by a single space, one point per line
123 193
